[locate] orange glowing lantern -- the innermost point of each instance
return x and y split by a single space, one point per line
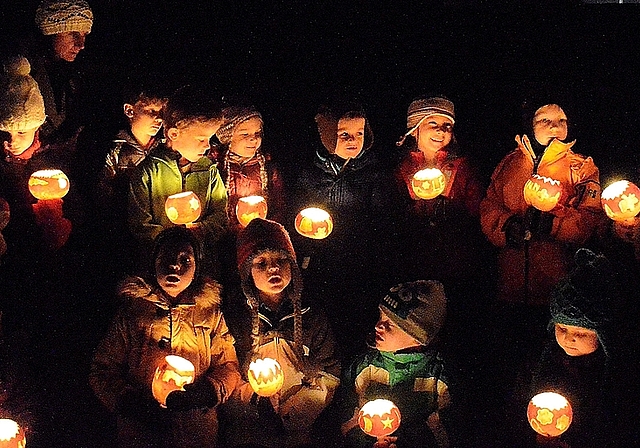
549 414
265 377
11 434
379 418
428 183
542 192
250 207
314 223
621 200
172 374
183 208
48 184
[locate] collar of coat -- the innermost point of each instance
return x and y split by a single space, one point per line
555 150
169 156
137 288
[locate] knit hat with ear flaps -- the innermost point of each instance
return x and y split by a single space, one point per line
327 120
421 108
584 298
419 308
233 116
21 103
59 16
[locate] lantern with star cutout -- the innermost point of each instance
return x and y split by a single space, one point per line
379 418
265 377
428 183
250 207
314 223
172 374
183 208
621 200
549 414
11 434
542 192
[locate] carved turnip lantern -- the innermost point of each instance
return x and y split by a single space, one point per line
250 207
48 184
11 434
314 223
379 418
549 414
621 200
542 192
265 377
428 183
172 374
183 208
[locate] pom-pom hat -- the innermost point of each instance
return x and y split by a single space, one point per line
55 17
21 103
233 116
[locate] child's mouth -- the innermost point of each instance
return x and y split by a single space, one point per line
172 279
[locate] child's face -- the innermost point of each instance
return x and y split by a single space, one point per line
271 272
246 137
68 44
145 118
20 141
192 141
175 267
550 122
390 337
434 133
576 341
350 137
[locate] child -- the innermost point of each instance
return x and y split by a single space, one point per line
404 368
177 311
181 164
270 320
576 363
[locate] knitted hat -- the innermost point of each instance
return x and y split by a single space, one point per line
584 298
419 308
233 116
327 120
21 103
59 16
421 108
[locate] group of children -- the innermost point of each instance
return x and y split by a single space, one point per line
223 294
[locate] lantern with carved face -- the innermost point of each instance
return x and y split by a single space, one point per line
48 184
549 414
183 208
172 374
379 418
428 183
11 434
250 207
542 192
265 376
621 200
314 223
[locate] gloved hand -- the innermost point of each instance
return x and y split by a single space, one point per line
198 395
538 223
514 231
137 406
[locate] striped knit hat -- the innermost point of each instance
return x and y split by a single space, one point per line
421 108
233 116
59 16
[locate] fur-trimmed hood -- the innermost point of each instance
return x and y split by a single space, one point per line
208 295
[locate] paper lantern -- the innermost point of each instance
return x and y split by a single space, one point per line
11 434
542 192
265 377
379 418
183 208
250 207
314 223
172 374
621 200
549 414
48 184
428 183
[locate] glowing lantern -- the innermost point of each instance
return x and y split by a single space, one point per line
542 192
314 223
183 208
549 414
172 374
11 434
428 183
621 200
265 376
48 184
379 418
250 207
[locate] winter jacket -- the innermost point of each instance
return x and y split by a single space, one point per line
147 328
158 178
126 153
414 381
574 220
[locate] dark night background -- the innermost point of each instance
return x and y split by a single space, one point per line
287 57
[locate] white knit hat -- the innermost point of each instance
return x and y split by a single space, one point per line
55 17
21 103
